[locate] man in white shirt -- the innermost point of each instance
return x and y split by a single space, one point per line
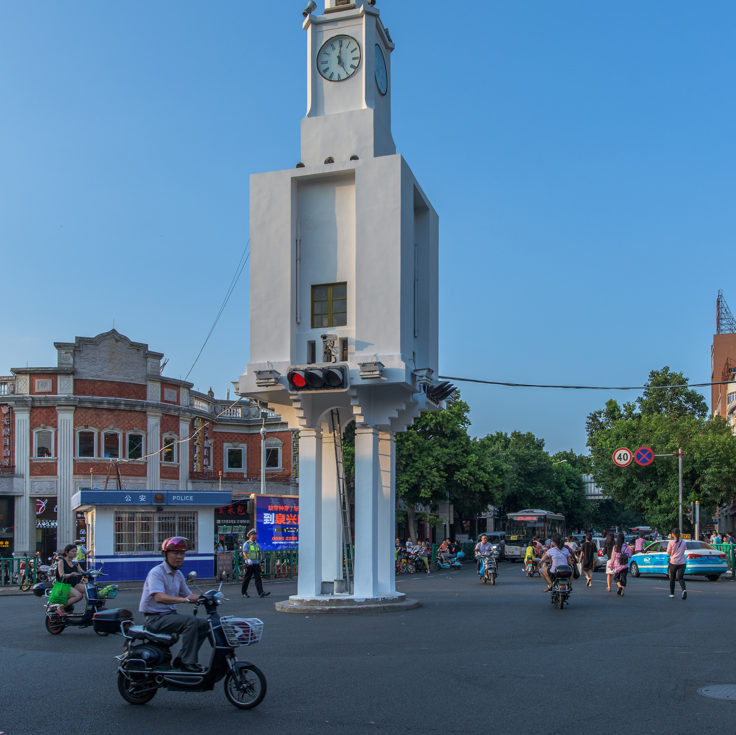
557 555
163 590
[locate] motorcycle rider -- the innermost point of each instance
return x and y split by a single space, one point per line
557 555
530 556
163 590
481 548
252 555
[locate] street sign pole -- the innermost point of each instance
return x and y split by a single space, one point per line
697 520
679 457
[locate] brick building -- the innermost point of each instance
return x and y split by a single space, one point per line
723 368
63 428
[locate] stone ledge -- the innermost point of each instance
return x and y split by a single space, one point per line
346 605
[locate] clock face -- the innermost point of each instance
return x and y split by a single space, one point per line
339 58
381 72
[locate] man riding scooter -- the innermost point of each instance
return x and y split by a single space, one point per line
163 590
557 555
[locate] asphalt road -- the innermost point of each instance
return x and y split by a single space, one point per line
472 658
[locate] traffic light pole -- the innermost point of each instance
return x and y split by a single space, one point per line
679 456
697 520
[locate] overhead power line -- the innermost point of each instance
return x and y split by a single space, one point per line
586 387
233 283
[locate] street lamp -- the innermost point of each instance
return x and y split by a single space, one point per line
263 455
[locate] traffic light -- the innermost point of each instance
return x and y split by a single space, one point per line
315 377
691 513
438 393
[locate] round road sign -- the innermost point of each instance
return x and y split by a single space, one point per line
643 456
622 457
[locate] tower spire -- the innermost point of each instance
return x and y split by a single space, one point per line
725 322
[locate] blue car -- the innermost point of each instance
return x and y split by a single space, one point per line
701 560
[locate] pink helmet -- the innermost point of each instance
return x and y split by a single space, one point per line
175 543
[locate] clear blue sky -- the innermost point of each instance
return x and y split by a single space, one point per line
580 155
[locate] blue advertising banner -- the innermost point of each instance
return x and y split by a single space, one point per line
277 522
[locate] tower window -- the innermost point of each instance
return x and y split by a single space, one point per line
329 305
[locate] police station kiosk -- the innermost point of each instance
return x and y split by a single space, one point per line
125 529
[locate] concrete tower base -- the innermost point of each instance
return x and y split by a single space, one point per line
396 602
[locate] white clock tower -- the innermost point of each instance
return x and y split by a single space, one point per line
343 307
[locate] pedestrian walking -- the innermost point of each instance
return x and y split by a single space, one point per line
588 555
639 543
620 563
608 545
676 567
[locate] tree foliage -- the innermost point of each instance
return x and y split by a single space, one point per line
665 420
436 460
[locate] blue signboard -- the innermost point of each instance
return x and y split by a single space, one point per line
150 497
277 522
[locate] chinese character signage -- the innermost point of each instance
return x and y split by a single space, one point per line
235 514
277 522
295 455
7 435
198 446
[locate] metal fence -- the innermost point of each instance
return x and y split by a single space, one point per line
275 564
18 572
730 551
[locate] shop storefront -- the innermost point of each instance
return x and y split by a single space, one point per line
45 526
125 529
7 515
232 522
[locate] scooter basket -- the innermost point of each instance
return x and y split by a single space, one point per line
241 631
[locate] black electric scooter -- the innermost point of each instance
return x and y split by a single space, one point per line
561 586
95 605
146 665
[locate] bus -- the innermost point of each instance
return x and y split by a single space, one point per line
524 525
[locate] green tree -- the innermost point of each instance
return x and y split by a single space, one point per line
436 457
665 423
536 480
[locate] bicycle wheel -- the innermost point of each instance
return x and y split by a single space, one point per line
246 687
25 585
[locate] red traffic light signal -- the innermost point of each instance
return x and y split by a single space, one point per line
296 379
313 377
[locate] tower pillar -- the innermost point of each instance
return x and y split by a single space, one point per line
310 513
367 490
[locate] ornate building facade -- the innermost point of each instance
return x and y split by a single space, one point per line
106 407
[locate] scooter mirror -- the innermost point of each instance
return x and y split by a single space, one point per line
191 576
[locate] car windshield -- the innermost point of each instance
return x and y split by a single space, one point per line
653 548
699 545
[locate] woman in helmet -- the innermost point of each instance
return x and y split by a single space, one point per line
163 590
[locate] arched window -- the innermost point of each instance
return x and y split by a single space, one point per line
43 443
136 445
169 444
86 443
274 449
111 444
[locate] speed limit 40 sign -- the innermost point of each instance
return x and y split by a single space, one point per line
622 457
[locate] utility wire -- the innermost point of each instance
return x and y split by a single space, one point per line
586 387
233 283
